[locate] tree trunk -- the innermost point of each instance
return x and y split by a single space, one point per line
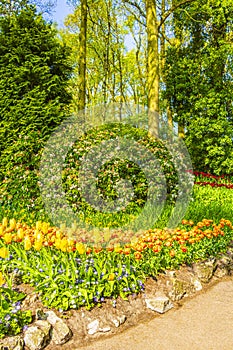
153 67
83 55
181 133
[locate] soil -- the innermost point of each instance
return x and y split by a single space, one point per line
201 321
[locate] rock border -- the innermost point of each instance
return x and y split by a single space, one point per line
163 293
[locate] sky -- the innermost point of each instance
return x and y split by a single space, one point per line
61 11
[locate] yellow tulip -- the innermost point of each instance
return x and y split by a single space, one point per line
44 227
80 248
1 230
70 242
38 225
7 238
38 245
58 234
97 236
57 243
39 235
2 279
64 244
111 277
4 253
4 222
27 243
20 233
12 223
107 234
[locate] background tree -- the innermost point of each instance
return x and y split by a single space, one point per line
199 73
105 79
34 73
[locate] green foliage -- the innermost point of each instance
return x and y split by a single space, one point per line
34 73
199 83
212 203
12 319
113 171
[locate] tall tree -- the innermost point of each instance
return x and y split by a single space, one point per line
199 73
34 74
83 56
155 15
105 81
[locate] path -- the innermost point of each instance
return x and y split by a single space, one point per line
202 323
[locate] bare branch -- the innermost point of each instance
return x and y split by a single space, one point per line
134 4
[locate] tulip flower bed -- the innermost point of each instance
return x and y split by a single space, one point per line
76 269
69 273
204 179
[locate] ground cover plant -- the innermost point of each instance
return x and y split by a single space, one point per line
12 319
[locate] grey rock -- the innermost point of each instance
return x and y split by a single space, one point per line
12 343
179 289
93 327
61 333
225 260
45 327
34 338
221 271
159 304
52 318
205 270
41 315
118 320
105 329
197 284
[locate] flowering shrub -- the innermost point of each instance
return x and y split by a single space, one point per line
112 172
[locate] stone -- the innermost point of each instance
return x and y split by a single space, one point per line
105 329
119 320
41 315
46 327
34 338
51 317
93 327
61 333
230 252
12 343
221 271
160 304
197 284
179 289
205 270
122 319
225 260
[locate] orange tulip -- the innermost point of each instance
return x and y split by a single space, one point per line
137 255
172 253
184 249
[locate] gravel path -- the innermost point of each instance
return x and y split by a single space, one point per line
204 322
